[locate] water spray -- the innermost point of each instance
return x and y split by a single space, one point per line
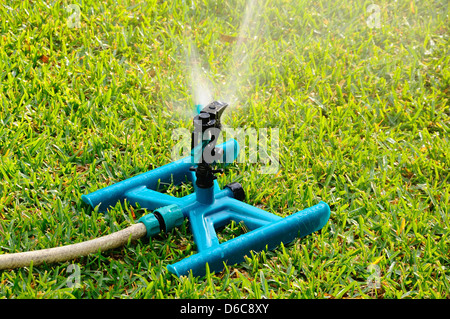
207 209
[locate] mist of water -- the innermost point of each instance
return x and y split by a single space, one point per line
201 85
202 88
238 74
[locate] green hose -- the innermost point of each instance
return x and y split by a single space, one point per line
69 252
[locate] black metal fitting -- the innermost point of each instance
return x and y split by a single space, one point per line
238 190
205 175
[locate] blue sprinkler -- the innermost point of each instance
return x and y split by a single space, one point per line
209 207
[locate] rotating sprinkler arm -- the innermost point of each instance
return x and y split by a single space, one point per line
207 128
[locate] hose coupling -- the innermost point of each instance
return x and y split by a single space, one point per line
163 219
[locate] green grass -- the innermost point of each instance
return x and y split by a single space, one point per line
363 118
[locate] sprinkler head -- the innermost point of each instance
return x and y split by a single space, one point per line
207 129
209 117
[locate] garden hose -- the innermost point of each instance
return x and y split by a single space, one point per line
69 252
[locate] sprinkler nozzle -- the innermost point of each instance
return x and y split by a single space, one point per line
215 110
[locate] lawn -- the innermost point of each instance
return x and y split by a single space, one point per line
91 93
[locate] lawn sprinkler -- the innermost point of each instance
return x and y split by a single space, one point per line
209 207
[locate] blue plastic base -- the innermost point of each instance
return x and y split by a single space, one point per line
208 209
